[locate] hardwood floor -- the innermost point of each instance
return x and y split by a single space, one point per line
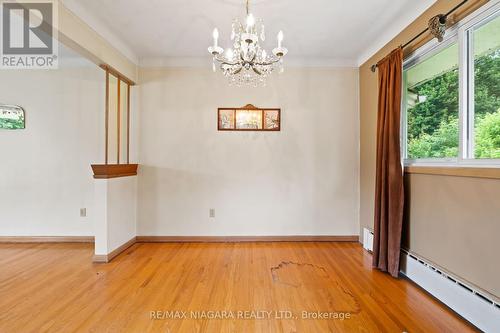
56 288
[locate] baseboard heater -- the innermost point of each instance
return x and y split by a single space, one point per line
474 305
368 239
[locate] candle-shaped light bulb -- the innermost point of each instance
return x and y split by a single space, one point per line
229 54
280 38
264 55
215 34
250 21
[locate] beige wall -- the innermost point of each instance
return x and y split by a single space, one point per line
300 181
45 175
455 222
452 221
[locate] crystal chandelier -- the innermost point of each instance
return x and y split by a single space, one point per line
247 63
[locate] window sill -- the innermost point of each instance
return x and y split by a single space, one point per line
457 171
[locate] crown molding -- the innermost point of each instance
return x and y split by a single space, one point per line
160 62
152 62
402 21
320 62
101 29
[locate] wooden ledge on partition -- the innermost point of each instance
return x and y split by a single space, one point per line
105 171
472 172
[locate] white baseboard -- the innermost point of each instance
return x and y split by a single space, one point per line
105 258
240 239
476 306
46 239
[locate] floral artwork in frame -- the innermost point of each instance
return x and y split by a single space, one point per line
249 118
226 119
271 119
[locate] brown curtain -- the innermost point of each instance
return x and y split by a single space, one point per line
389 195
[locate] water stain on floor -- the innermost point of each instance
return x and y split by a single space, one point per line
310 280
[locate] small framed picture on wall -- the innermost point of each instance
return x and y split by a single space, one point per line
11 117
249 118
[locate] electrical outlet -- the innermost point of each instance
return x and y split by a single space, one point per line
211 213
83 212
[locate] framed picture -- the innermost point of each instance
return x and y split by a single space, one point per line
11 117
226 119
249 118
271 119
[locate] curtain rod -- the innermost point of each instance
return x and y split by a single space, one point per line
442 20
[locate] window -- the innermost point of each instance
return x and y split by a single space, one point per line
451 95
432 105
485 40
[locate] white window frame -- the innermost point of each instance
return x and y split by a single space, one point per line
462 34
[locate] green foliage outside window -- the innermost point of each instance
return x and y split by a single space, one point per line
488 136
433 124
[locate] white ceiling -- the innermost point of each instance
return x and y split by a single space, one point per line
317 32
